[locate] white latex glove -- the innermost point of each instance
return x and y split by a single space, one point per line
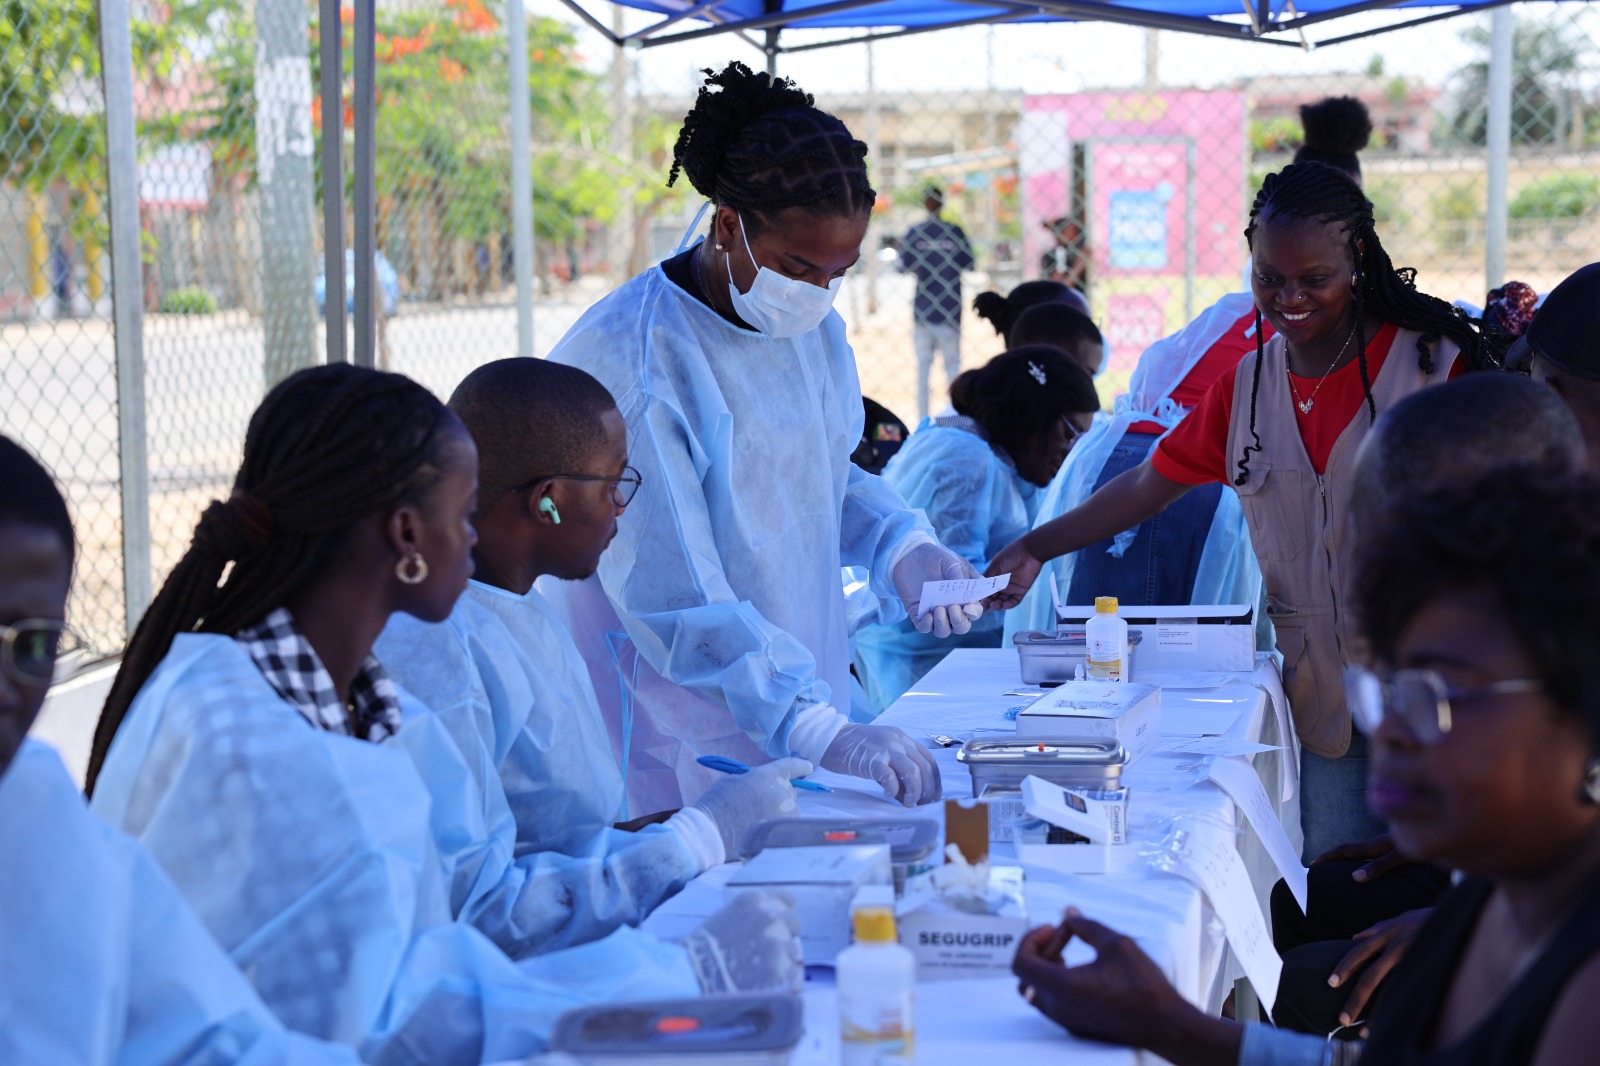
934 562
905 769
751 945
739 801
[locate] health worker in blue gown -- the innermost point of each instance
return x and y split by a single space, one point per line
716 624
249 743
102 962
978 475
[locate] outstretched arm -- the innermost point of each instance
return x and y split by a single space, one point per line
1119 504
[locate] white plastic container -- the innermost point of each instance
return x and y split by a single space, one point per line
1106 636
876 978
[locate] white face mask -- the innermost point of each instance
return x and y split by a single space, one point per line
780 306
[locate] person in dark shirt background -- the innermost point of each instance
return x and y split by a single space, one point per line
936 252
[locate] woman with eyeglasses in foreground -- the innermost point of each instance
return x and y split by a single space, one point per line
978 476
1481 606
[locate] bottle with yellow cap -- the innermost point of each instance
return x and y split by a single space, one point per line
877 981
1106 641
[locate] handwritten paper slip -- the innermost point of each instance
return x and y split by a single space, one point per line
1236 777
1212 864
960 590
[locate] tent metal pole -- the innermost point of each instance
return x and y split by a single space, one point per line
1097 12
1423 21
686 13
1301 21
1010 16
363 165
1499 147
329 30
593 23
765 22
127 305
521 174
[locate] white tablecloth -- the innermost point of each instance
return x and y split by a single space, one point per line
980 1021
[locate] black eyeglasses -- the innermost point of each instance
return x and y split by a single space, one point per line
623 487
1074 430
29 649
1419 699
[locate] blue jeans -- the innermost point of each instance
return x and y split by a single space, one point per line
1159 567
1333 800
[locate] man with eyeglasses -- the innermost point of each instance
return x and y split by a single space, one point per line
503 675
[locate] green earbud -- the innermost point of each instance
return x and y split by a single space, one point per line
548 506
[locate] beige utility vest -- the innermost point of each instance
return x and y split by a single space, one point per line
1299 528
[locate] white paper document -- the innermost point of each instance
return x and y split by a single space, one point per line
1239 780
960 590
1214 867
1200 718
1190 679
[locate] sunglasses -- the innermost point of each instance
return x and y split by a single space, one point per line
29 649
1418 699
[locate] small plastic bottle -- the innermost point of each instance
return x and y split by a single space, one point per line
877 981
1106 637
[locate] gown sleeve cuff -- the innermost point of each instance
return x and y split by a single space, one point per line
700 836
1264 1045
814 729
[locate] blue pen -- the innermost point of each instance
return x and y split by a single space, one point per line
734 766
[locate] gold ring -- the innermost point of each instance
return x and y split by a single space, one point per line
1028 993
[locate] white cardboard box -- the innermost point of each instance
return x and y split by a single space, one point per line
1185 637
951 944
822 881
1129 713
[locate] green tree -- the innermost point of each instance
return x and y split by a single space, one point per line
1546 60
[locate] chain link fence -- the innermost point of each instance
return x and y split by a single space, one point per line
1119 160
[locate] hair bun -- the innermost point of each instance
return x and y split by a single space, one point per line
730 100
1338 125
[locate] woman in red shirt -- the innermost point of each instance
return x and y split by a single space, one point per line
1283 428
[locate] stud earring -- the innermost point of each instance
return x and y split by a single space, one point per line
409 575
719 247
1355 281
547 506
1590 792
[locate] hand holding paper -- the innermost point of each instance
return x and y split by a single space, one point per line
960 591
930 564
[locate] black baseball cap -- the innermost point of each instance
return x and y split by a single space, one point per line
1565 331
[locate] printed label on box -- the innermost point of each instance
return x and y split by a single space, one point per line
1175 636
951 946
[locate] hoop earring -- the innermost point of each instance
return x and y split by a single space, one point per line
403 571
1590 792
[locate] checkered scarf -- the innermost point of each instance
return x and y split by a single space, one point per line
289 663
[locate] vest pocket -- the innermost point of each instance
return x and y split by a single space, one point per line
1275 503
1299 678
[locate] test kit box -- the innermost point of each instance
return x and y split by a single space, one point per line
951 942
1128 713
822 881
1073 831
1183 637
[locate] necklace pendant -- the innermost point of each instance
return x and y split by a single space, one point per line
1305 406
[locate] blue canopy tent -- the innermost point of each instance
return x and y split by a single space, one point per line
1275 22
1271 22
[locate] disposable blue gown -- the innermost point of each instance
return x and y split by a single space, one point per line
977 505
718 605
315 861
102 963
1227 572
502 677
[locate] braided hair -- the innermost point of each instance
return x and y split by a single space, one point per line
327 448
1329 195
759 144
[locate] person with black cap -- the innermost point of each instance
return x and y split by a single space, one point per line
936 251
1564 345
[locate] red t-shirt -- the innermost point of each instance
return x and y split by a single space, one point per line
1236 342
1196 452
